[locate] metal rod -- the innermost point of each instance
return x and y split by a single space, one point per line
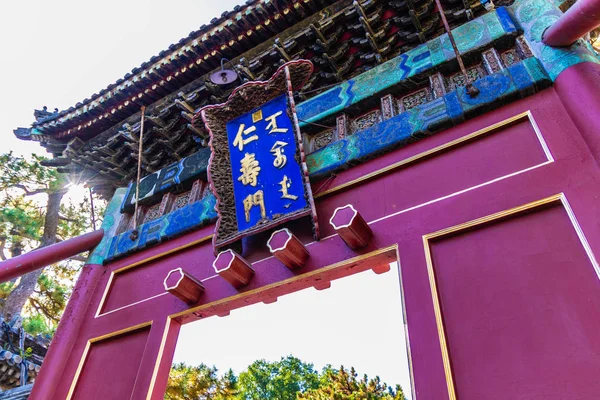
319 88
471 90
23 374
292 104
92 207
134 233
315 124
328 180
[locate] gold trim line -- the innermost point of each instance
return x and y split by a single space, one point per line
407 161
89 345
432 280
138 263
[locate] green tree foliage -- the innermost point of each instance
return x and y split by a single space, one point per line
279 380
289 378
199 383
32 215
343 384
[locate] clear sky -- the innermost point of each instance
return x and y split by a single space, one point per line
57 53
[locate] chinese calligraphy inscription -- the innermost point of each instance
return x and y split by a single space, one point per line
267 176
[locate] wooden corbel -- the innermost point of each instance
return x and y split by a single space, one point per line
288 249
183 286
352 228
233 268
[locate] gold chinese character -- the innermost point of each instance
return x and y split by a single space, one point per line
285 184
239 140
280 158
256 199
272 126
249 170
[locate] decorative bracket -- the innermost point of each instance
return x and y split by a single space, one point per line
288 249
233 268
183 286
352 228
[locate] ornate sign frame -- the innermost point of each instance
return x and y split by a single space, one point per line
245 98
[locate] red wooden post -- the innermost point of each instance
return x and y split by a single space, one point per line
287 248
45 256
233 268
351 227
183 286
60 351
581 18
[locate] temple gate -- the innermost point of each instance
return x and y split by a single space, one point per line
488 203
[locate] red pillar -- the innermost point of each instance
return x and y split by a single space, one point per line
581 18
66 334
48 255
157 360
579 90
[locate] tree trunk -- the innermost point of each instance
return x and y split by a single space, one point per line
16 249
18 297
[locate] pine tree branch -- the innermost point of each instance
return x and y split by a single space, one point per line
40 307
63 218
36 307
30 192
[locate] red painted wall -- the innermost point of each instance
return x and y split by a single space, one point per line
518 299
509 292
109 372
